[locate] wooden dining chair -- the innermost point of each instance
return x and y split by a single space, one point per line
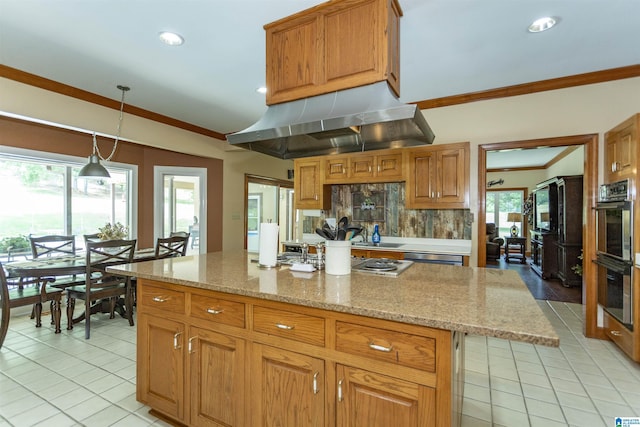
32 292
101 285
173 246
52 245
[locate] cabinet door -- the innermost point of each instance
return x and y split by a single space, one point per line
160 364
308 188
368 399
361 166
450 186
421 180
389 166
336 169
287 388
216 364
621 143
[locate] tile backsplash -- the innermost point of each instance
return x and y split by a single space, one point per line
383 204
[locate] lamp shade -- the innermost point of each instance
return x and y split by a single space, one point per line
514 217
94 169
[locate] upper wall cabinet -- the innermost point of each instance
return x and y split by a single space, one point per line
621 150
438 177
308 184
372 166
333 46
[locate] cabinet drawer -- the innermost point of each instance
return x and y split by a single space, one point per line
288 324
413 351
155 297
218 310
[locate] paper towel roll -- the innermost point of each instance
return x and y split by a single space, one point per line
268 250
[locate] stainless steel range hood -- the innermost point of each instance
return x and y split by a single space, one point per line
363 118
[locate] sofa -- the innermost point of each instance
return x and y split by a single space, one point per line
493 241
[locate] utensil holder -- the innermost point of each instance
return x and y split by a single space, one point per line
337 257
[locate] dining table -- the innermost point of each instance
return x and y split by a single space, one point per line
64 267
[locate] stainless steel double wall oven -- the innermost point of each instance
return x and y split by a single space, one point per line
615 251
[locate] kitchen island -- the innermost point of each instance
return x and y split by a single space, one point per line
224 342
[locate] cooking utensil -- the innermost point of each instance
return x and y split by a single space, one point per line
331 235
355 229
343 223
341 234
320 232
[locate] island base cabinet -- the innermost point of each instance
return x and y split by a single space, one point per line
160 362
215 368
208 358
287 388
368 399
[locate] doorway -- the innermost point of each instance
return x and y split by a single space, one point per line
590 191
267 200
180 205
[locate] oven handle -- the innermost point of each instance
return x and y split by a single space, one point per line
623 204
612 264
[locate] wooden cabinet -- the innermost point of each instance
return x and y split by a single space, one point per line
621 150
333 46
214 359
187 372
438 177
308 183
216 383
376 253
569 229
369 399
160 365
544 254
288 388
373 166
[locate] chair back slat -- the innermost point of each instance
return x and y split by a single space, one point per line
52 245
174 246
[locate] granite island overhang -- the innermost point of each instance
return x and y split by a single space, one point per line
488 302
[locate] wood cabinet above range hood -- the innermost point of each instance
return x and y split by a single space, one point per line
333 79
336 45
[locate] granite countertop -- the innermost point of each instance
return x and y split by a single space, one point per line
404 244
479 301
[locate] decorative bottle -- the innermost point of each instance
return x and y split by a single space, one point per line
375 237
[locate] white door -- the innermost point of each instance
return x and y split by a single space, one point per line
180 204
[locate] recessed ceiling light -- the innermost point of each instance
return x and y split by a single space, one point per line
172 39
262 90
542 24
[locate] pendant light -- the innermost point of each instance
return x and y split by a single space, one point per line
94 169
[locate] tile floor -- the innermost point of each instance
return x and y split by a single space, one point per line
64 380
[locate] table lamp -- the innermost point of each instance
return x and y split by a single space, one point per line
514 217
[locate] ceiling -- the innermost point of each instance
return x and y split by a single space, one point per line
519 158
448 47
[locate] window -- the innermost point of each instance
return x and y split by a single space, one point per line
43 195
498 207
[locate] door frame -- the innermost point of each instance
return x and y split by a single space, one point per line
158 212
256 179
590 193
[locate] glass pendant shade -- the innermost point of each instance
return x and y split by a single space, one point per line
94 169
